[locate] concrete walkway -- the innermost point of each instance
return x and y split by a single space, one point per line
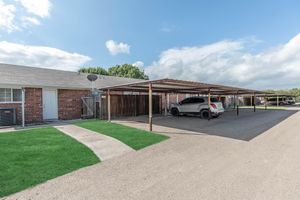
103 146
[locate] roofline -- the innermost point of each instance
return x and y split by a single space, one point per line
44 68
209 86
41 86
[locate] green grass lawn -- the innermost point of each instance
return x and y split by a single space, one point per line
135 138
34 156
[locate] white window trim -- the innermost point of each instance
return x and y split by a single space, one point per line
12 97
10 102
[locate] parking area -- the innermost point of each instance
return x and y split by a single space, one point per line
245 127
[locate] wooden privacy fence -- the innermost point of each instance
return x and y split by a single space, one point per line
88 107
129 105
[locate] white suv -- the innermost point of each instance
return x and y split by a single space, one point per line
199 106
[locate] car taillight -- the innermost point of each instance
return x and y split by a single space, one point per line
213 106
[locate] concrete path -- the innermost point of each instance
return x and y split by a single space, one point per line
190 167
103 146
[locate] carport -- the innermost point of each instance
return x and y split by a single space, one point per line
166 86
277 96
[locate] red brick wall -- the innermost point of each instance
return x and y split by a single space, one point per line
17 106
33 105
69 103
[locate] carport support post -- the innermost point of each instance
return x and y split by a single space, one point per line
254 103
237 103
234 102
209 102
277 100
166 103
150 106
108 105
266 99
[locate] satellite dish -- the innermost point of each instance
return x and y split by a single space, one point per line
92 77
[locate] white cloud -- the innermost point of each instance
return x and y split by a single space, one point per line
116 48
21 14
37 7
40 56
139 64
7 16
229 62
28 21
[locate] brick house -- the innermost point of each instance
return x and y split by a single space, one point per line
39 94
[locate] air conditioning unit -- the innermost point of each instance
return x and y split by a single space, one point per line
7 116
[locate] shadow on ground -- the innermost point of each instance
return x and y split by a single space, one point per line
245 127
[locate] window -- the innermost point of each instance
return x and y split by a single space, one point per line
193 100
17 95
8 95
199 100
5 94
186 101
215 100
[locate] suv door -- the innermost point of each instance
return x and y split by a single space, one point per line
191 105
184 105
195 104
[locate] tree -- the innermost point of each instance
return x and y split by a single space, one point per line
94 70
125 70
128 71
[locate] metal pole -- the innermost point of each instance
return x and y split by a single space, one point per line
209 102
166 111
95 106
135 105
108 105
23 107
254 102
234 102
150 107
277 100
100 105
237 103
251 100
266 99
168 100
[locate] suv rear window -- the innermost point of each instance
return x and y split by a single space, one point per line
197 100
214 100
185 101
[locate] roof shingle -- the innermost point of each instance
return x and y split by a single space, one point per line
40 77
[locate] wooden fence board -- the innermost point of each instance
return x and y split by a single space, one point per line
130 105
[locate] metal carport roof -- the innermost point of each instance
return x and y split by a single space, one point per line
177 86
180 86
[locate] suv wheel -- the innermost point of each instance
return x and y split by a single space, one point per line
204 114
174 112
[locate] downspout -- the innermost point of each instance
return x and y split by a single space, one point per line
23 107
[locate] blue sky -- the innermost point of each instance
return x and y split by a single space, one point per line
157 33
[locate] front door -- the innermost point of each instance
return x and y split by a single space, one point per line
50 105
